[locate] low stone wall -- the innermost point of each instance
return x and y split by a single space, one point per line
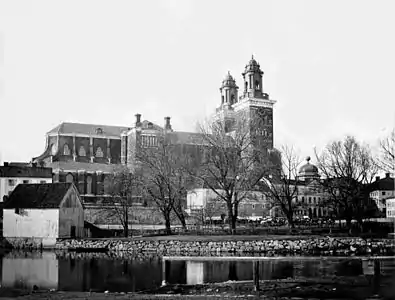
324 245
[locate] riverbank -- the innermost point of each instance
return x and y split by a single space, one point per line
324 288
206 245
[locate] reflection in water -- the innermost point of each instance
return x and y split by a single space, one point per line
25 272
99 272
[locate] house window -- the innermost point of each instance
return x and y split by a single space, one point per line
310 200
99 152
302 199
11 182
253 206
99 131
43 181
383 193
25 181
66 150
81 151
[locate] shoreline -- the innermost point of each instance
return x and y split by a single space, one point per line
329 288
209 245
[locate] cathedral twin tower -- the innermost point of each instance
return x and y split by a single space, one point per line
253 103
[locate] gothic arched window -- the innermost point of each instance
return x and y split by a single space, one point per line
81 151
69 178
99 152
89 184
66 149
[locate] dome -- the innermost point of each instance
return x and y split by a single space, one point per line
308 168
252 62
229 81
252 65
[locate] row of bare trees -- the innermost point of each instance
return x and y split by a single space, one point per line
232 161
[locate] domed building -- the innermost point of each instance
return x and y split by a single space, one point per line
311 196
308 171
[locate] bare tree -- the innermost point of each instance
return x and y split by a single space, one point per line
165 179
123 187
348 168
386 160
231 163
282 191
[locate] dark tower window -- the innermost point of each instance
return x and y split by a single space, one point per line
246 85
223 99
232 99
257 84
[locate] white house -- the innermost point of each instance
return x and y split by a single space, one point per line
12 174
390 202
381 190
42 213
254 203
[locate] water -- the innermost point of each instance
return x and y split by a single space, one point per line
68 271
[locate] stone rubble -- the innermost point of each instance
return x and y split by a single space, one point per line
324 245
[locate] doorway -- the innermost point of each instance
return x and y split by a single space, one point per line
72 231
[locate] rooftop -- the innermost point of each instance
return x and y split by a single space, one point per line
47 195
89 129
20 170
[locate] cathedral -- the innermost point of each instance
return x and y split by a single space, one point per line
86 154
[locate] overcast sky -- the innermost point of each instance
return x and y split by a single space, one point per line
329 64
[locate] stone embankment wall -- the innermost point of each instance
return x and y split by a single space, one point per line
324 245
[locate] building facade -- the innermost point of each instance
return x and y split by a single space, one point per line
311 196
12 174
381 190
87 154
205 202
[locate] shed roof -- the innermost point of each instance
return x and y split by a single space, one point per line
47 195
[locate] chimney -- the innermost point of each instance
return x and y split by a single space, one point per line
377 178
138 119
6 164
387 175
167 123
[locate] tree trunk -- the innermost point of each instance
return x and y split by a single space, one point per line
231 219
167 223
126 223
181 217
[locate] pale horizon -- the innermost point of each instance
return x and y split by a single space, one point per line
328 64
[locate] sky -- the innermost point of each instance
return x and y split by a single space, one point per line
329 64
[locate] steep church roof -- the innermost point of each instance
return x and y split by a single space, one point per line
47 195
88 129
